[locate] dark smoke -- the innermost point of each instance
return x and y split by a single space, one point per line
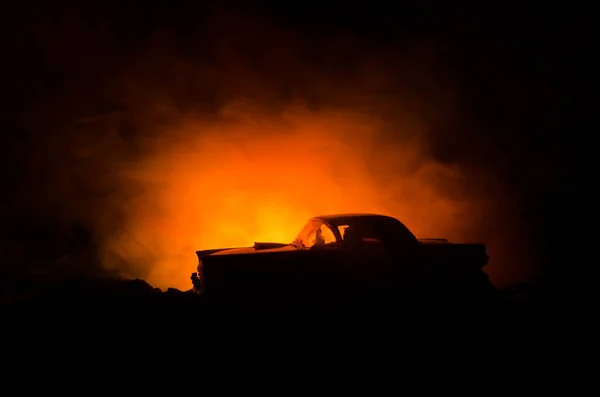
108 111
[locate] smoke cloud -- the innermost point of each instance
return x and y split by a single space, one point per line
162 149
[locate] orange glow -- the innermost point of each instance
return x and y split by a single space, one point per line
156 151
254 175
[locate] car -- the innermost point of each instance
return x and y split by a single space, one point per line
343 258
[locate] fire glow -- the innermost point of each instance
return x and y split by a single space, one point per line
252 175
239 134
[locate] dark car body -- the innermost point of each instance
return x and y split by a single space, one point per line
340 258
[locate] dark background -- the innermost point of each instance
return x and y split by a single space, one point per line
515 64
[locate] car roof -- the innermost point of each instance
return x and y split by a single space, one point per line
349 217
391 226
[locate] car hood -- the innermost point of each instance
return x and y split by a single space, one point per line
252 250
434 241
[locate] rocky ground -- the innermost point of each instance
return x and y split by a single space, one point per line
92 313
85 297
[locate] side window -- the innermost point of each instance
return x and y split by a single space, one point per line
342 229
321 237
327 235
353 236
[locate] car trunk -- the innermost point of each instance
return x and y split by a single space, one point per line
453 257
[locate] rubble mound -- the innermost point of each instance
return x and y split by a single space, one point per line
95 297
124 300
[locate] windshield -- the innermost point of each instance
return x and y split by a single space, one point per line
314 234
